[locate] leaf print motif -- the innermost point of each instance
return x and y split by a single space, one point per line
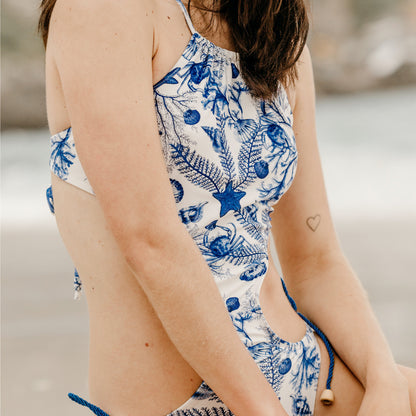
226 158
248 155
246 254
197 169
205 392
247 217
269 367
221 146
61 156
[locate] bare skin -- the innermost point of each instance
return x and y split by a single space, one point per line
134 367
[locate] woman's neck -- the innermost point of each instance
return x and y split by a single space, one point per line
209 24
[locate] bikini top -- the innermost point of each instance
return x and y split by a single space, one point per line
230 157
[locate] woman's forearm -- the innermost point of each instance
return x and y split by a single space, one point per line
181 289
330 294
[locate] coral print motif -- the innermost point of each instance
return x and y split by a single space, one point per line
62 156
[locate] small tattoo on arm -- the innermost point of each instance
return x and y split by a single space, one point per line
313 222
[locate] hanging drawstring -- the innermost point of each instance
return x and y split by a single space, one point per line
83 402
327 396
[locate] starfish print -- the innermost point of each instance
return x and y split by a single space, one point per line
229 199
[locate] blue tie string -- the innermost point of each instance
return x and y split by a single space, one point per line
321 335
83 402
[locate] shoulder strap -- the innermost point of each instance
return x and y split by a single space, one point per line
187 17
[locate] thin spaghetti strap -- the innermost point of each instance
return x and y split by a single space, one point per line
187 17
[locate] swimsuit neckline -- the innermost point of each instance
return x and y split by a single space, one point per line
232 54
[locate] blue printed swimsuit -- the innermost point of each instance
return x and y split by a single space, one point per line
230 157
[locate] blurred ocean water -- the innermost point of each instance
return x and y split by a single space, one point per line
368 153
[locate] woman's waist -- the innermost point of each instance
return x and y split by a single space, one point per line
258 305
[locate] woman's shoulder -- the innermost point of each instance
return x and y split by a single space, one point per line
94 23
76 14
105 6
304 80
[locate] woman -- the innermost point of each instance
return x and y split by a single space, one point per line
184 144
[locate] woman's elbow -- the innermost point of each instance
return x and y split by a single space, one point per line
150 242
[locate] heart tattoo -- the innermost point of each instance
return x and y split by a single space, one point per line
313 222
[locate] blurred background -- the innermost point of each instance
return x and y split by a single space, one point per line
364 55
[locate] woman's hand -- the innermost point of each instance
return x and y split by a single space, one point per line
387 398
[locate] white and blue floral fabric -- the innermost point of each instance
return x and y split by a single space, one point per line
230 157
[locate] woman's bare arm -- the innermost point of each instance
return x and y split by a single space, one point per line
103 52
317 273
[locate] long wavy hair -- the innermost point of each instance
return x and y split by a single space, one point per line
269 36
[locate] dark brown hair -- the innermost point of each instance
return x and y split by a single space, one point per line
269 36
46 8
